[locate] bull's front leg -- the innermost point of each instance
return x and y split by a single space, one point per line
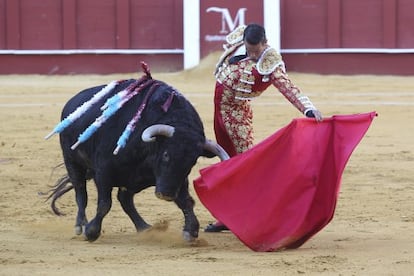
93 228
126 198
186 203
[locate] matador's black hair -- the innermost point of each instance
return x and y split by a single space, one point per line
254 34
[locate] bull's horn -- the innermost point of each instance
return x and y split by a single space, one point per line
216 149
148 135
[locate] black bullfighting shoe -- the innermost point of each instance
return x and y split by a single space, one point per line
216 227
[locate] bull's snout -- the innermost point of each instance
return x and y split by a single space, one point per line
167 190
164 197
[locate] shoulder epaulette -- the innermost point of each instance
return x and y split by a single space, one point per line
268 62
236 35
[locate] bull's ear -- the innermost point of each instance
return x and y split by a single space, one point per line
212 149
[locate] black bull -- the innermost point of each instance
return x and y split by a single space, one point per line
166 141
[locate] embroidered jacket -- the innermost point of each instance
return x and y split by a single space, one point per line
248 78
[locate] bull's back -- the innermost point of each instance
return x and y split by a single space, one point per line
160 104
87 94
70 135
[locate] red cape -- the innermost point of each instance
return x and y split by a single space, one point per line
284 190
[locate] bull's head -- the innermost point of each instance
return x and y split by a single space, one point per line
175 165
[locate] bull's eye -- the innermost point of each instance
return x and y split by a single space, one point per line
165 156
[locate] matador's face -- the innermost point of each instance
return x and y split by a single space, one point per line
254 51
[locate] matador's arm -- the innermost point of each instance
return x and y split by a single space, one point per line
291 92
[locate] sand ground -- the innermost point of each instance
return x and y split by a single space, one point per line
371 233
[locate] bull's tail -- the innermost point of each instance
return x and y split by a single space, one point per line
61 187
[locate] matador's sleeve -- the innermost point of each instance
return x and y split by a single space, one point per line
271 64
291 92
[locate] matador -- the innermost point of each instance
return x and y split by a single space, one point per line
242 76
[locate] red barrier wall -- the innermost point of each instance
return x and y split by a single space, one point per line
158 24
347 24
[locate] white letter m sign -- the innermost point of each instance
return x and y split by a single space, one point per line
227 23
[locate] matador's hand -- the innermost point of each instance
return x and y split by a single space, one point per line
315 114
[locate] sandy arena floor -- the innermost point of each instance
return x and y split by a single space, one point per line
372 232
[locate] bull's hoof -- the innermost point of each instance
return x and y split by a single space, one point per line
143 227
91 233
188 237
79 229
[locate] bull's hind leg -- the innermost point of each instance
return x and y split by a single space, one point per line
126 198
77 177
186 203
93 228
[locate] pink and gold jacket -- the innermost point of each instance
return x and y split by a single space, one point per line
248 78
